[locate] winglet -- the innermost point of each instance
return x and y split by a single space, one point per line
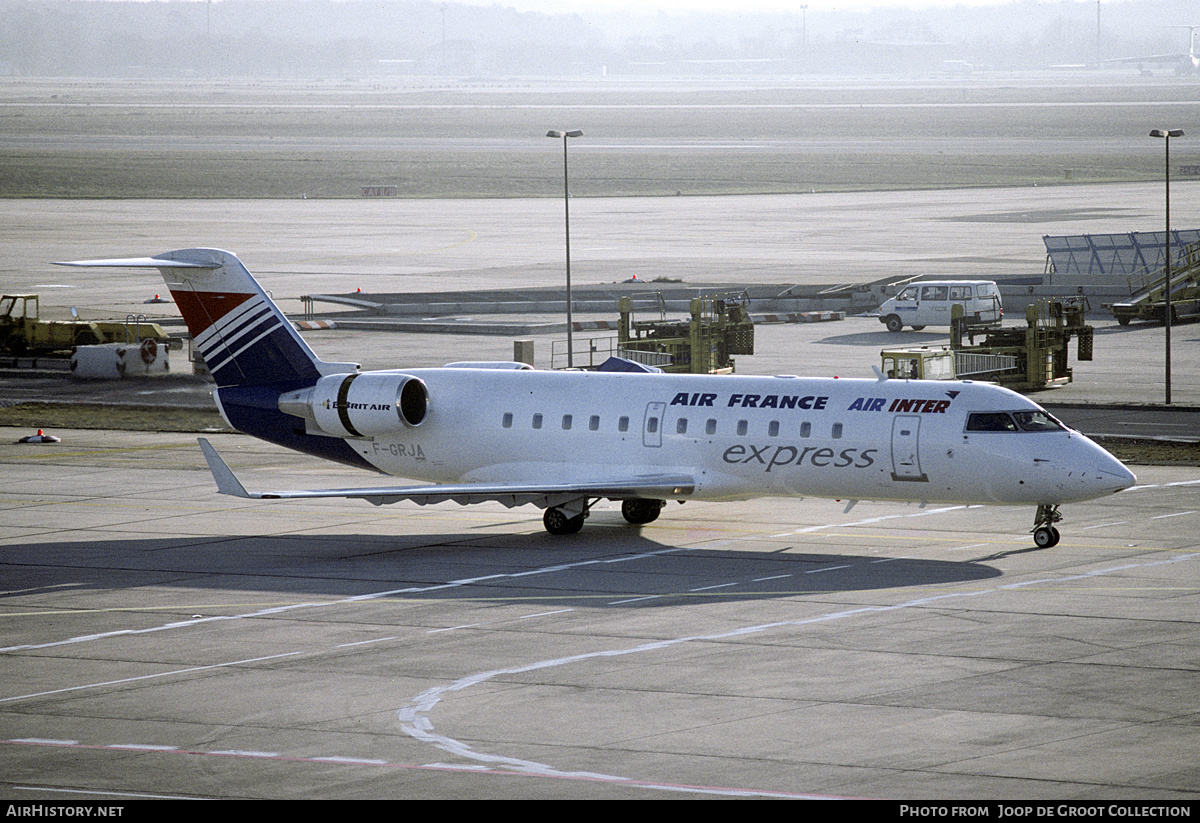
227 483
879 375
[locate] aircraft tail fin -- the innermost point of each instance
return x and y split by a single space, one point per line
243 335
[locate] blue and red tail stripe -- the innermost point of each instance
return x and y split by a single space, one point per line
244 339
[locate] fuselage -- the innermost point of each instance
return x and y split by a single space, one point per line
738 436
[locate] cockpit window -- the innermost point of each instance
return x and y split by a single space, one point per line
1028 421
1037 421
990 422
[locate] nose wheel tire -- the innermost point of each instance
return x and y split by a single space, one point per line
1044 533
1045 537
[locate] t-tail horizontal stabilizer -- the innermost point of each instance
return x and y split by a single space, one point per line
242 334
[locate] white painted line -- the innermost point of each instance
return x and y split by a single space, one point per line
365 642
414 719
141 747
357 761
147 677
454 628
827 569
138 795
545 614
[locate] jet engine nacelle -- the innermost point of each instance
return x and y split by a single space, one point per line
360 405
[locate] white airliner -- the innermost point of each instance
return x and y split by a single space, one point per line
564 440
1185 62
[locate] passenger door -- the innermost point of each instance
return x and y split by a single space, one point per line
906 459
652 424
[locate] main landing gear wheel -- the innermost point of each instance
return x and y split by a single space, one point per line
557 522
640 511
1044 533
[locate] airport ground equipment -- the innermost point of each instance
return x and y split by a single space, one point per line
1148 293
23 332
1022 359
113 361
718 327
932 302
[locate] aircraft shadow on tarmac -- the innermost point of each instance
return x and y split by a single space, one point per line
600 567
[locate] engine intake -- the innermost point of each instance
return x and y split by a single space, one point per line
360 405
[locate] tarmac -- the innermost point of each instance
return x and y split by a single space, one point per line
162 641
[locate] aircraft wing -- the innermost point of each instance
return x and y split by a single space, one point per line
1150 58
543 495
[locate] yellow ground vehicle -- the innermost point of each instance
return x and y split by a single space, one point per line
1023 359
23 332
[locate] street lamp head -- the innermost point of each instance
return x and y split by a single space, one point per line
564 134
1166 133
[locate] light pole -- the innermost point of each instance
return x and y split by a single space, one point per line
1167 134
804 38
567 216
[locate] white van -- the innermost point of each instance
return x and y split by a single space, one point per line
928 303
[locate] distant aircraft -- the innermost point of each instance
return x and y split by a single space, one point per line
564 440
1185 62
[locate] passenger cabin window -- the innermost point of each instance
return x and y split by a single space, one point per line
507 421
566 422
710 426
623 424
742 427
806 429
837 431
537 421
773 428
652 424
594 423
681 426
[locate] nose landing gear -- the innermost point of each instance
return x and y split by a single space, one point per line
1044 533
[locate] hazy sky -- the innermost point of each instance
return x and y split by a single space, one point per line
684 6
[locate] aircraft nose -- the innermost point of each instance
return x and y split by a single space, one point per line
1111 474
1120 476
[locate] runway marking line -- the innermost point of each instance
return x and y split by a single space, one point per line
414 718
388 764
